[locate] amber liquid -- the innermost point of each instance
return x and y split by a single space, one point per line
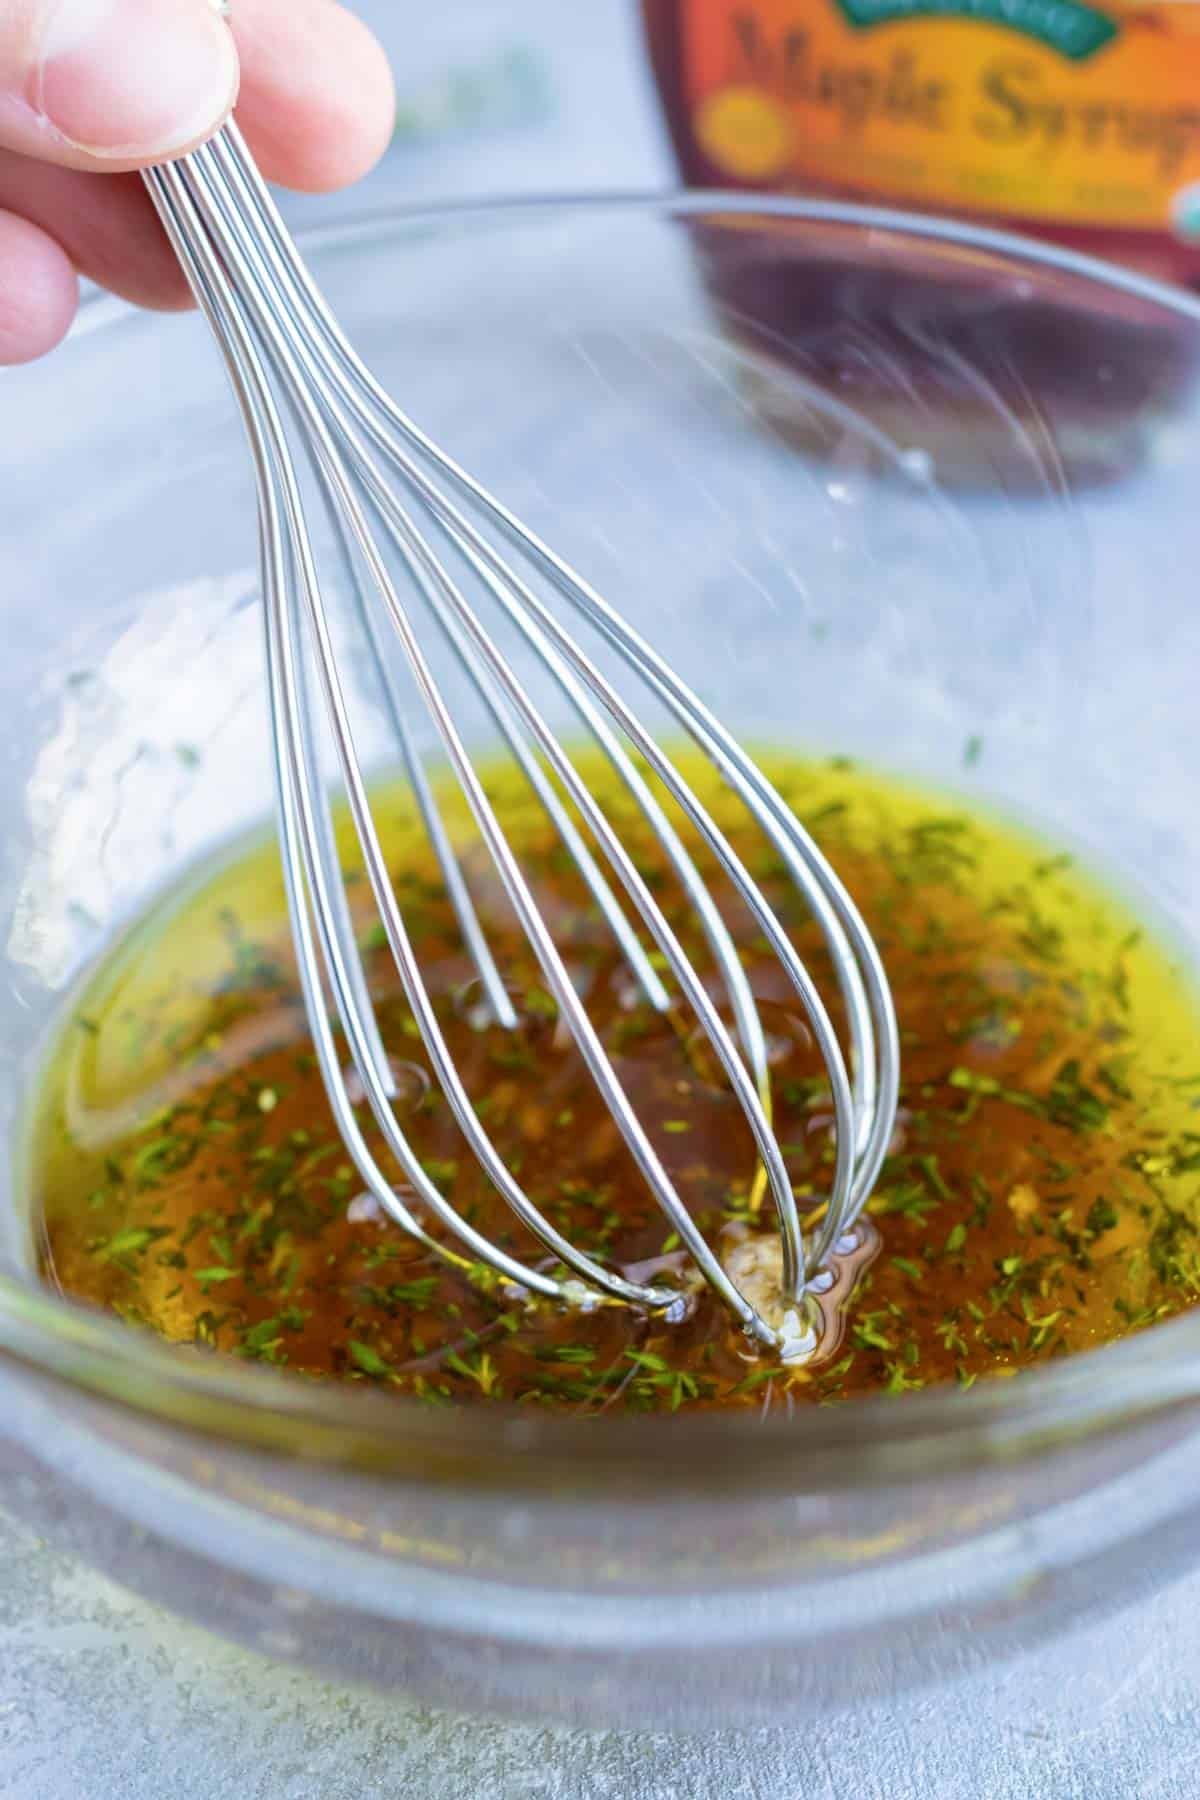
1066 384
1039 1198
1156 254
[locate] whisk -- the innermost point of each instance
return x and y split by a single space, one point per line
432 548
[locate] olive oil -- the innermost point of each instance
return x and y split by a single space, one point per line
1040 1196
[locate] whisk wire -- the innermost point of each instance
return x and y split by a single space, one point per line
271 321
304 875
474 938
432 579
330 468
872 1025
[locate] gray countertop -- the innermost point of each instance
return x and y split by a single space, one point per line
101 1693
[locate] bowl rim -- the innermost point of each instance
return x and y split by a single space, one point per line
361 223
862 1442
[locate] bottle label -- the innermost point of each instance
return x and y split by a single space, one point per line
1046 110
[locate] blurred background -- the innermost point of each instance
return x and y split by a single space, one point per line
527 97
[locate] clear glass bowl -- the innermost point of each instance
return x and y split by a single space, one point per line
881 593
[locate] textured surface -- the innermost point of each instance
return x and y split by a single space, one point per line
100 1693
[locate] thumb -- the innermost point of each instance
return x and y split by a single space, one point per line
111 84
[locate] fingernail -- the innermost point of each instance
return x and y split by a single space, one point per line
133 78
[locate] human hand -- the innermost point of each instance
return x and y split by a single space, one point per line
93 89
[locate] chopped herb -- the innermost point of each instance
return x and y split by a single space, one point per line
1073 1104
416 1294
214 1276
868 1335
368 1360
1102 1215
480 1370
539 1004
133 1241
1041 1193
441 1173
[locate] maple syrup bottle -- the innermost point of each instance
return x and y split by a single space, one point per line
1065 121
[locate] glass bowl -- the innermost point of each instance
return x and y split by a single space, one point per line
872 527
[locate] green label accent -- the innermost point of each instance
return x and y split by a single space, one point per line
1068 26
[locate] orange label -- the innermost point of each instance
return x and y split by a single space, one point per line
1048 110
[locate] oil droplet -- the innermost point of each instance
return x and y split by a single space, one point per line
411 1083
917 465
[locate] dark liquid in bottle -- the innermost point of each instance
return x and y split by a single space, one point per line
871 348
